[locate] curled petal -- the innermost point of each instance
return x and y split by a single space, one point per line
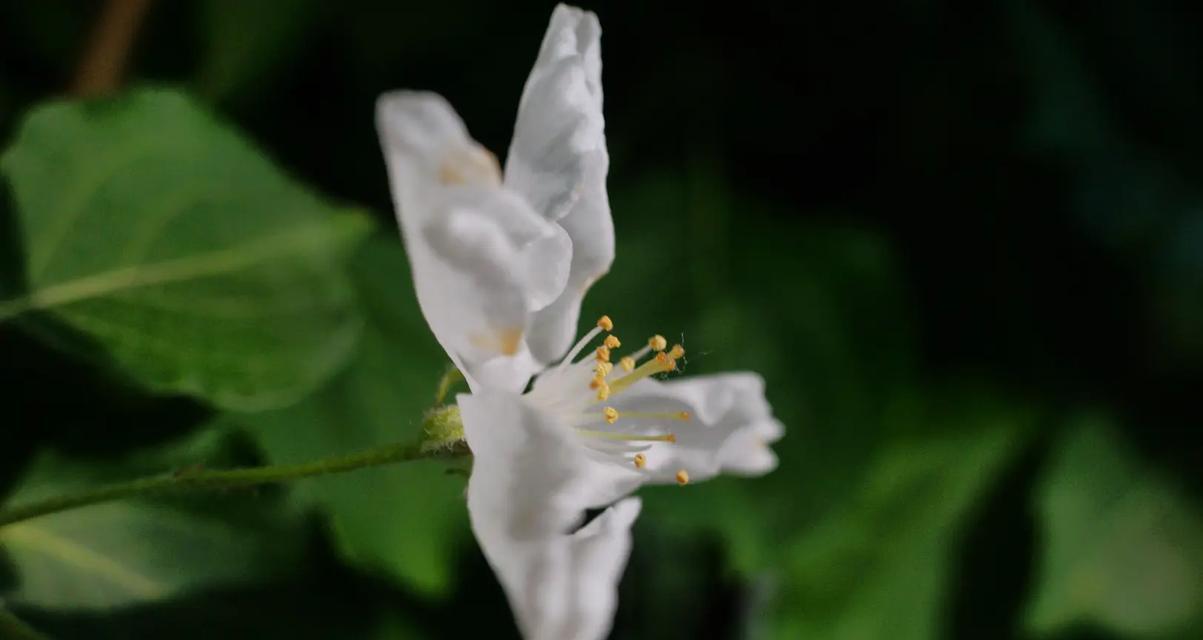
531 484
729 427
483 261
558 162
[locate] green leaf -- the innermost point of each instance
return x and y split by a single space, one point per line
197 266
879 567
405 520
14 628
122 553
1122 548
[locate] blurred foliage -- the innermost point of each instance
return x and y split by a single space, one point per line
1123 550
406 520
147 227
963 244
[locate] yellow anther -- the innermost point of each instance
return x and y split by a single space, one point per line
603 369
603 391
682 477
657 343
605 323
683 415
671 437
667 361
603 354
627 364
640 461
611 415
597 382
676 352
612 342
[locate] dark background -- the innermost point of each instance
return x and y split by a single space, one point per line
863 198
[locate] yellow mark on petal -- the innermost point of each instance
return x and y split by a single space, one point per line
605 323
510 339
657 343
682 477
640 461
505 341
470 165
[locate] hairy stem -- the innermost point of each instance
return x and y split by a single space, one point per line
204 480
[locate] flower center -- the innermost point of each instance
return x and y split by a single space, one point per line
579 392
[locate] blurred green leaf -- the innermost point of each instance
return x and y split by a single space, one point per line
879 566
122 553
245 40
13 628
405 520
198 266
395 626
1121 547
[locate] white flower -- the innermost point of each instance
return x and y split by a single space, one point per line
500 267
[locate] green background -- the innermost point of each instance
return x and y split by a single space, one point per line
963 244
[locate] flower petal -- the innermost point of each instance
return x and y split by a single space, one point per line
729 428
531 483
558 162
483 261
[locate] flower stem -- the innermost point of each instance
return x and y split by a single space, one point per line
203 480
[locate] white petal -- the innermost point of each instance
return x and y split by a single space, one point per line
483 260
558 162
729 430
566 587
531 483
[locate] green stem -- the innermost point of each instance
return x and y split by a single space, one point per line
201 480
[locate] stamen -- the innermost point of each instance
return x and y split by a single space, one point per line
580 346
597 382
659 364
676 352
612 342
603 353
603 391
603 369
605 323
657 415
640 461
627 364
657 343
611 415
682 477
610 435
